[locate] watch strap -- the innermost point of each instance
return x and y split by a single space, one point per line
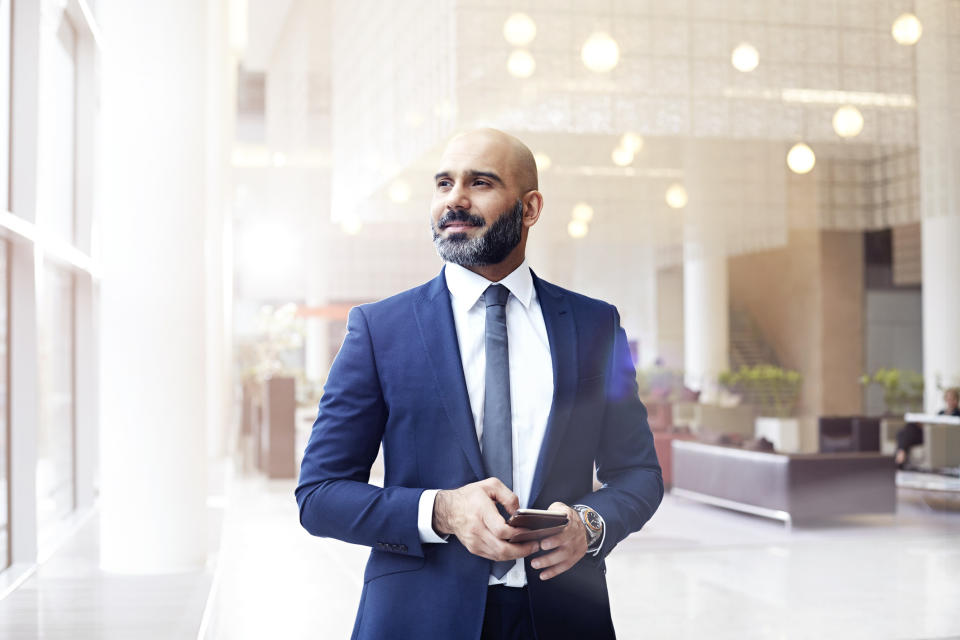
594 539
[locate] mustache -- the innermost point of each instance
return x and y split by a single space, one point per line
460 215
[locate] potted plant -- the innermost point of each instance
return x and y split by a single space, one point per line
902 389
902 392
775 392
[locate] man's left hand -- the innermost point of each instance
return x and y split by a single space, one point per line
565 548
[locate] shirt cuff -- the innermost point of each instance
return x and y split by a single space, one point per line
425 517
595 549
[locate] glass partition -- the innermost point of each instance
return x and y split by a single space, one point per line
56 495
4 408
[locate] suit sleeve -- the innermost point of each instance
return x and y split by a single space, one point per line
627 466
333 493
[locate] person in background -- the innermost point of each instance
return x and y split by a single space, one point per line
912 433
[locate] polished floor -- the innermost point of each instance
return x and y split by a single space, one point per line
694 572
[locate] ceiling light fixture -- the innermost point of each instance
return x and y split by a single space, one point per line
622 157
801 158
521 64
676 196
519 30
631 141
745 57
600 53
577 229
582 212
907 29
848 121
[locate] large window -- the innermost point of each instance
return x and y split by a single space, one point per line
4 103
4 287
48 113
4 408
56 197
56 487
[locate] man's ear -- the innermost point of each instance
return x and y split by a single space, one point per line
532 206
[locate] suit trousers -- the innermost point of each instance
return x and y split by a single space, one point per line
507 616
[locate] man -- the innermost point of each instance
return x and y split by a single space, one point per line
490 390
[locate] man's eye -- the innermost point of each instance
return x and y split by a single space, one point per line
443 183
481 183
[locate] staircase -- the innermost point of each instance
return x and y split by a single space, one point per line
748 346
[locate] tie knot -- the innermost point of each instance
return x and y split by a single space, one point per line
496 295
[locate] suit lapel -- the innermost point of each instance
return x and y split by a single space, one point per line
439 335
562 334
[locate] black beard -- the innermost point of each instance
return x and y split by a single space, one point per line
492 247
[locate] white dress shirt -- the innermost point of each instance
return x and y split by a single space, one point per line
531 380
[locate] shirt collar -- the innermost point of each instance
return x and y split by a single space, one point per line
466 287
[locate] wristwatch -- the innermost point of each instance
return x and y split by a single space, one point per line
593 523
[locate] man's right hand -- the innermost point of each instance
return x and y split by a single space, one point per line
471 514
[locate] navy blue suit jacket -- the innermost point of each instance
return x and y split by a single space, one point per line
398 380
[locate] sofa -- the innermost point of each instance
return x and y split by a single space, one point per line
794 488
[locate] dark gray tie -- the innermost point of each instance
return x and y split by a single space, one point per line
496 440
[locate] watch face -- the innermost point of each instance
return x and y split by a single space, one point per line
592 519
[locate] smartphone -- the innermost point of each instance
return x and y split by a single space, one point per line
541 522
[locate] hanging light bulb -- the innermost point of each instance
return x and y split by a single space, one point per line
582 212
399 192
543 161
907 29
600 53
519 30
801 158
631 141
848 121
676 196
622 157
577 228
521 64
351 226
745 57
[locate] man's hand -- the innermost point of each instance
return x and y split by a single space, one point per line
568 546
471 514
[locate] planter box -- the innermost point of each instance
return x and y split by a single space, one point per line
715 418
277 434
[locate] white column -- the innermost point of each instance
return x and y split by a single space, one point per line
938 111
706 306
669 308
941 307
152 314
706 330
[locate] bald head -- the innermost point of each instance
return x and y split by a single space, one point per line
499 149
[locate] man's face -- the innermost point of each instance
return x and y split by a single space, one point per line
951 398
477 213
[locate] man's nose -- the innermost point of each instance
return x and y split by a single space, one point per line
457 197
